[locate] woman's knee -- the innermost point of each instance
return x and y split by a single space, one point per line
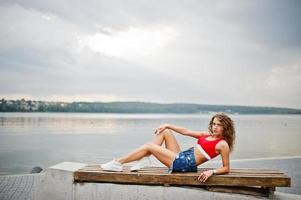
146 145
167 132
149 145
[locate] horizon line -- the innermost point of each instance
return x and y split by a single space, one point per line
151 102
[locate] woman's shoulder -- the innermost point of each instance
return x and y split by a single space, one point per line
205 134
222 144
202 134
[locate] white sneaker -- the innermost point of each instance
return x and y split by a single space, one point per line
141 164
113 165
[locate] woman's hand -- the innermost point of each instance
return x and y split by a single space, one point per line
205 175
160 129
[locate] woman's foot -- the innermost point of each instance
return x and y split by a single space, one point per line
113 165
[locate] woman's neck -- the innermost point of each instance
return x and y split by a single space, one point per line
216 136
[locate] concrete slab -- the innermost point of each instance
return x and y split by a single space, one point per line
27 186
58 184
68 166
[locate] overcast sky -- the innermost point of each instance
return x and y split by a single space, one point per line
206 52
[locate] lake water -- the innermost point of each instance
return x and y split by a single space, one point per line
45 139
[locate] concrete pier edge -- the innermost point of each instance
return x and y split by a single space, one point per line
57 184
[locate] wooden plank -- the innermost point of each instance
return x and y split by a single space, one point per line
230 175
163 169
242 181
247 173
159 176
199 168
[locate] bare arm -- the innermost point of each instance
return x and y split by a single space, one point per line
181 130
224 150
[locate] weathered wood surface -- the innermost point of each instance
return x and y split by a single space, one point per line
160 176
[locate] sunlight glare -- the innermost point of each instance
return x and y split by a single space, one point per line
129 43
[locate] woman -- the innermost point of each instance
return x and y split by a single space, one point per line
219 141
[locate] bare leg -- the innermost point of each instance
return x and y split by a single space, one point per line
164 155
170 141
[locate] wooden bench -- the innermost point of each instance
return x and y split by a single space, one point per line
243 181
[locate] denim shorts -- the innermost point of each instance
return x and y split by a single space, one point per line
184 162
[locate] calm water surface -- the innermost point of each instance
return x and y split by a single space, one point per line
45 139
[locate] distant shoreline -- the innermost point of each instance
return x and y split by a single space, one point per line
179 114
137 108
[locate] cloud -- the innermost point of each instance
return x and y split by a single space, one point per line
133 43
273 24
225 52
278 78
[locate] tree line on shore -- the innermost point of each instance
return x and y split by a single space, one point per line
135 107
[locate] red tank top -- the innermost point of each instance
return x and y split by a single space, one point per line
208 146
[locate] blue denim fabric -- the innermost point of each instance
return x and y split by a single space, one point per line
184 162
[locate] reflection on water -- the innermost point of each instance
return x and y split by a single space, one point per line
42 125
57 123
44 139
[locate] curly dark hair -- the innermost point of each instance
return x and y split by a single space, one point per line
228 125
